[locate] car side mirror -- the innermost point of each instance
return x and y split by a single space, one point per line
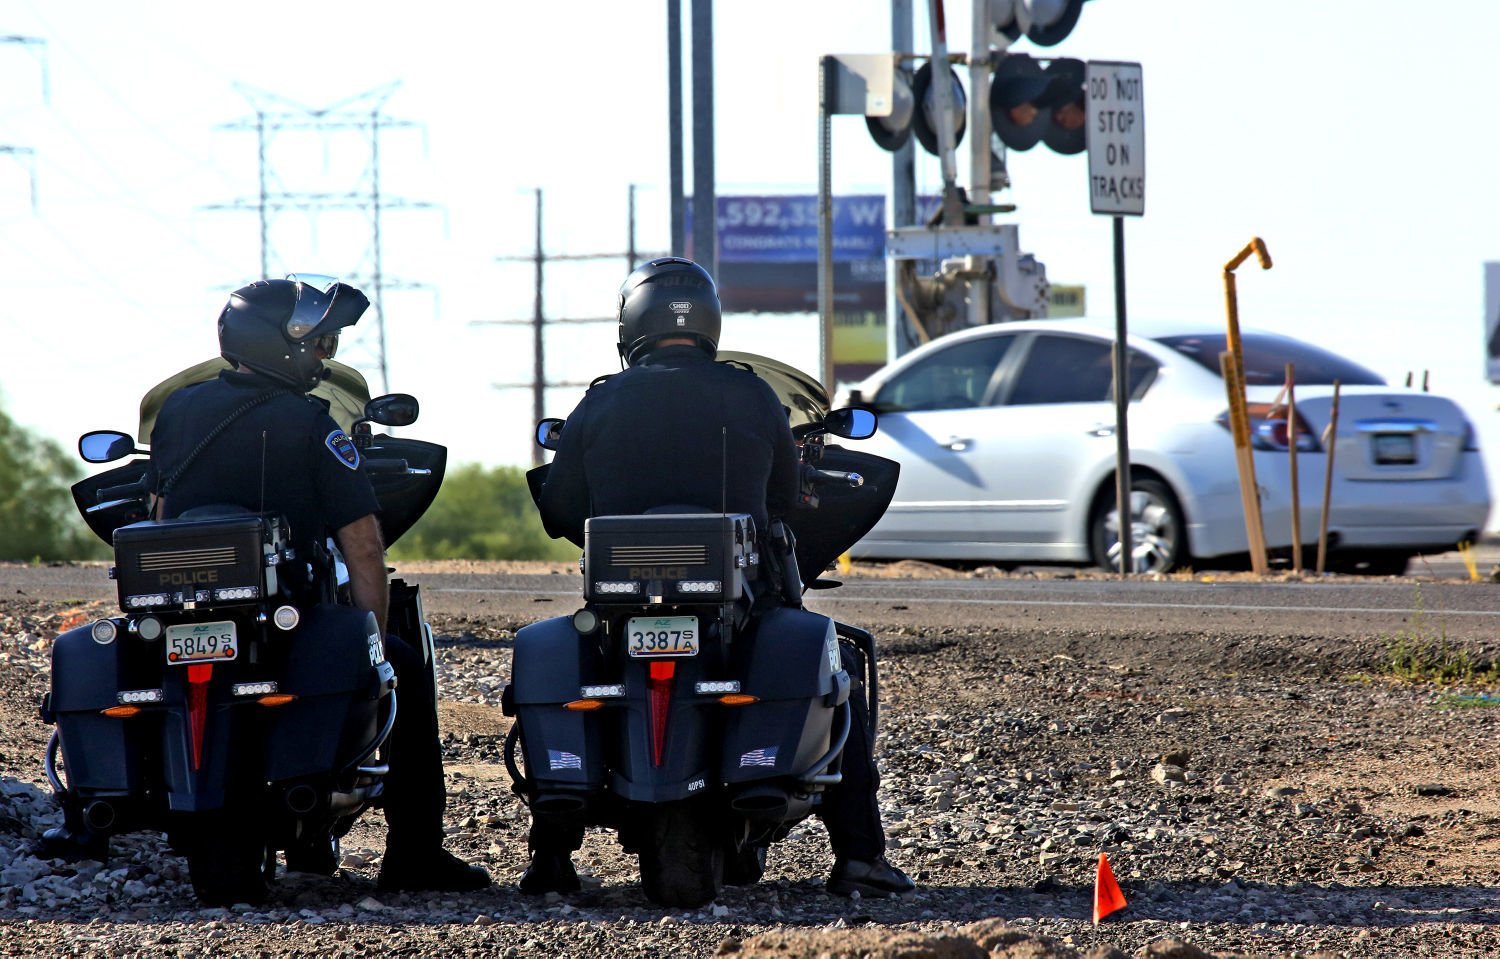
548 432
854 423
106 446
393 409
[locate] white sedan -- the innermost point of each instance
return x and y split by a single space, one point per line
1006 439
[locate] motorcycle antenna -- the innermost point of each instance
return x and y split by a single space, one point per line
262 471
724 469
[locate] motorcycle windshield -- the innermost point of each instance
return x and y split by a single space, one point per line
803 396
844 514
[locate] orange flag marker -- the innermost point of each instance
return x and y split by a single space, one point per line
1107 895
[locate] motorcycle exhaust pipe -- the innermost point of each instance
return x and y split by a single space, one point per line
301 799
99 816
762 803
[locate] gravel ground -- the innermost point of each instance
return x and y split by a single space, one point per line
1256 794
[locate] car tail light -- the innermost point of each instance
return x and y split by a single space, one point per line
1269 429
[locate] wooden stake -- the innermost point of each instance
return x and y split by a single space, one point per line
1330 443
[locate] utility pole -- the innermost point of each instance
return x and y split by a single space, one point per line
361 114
26 156
674 125
539 321
705 205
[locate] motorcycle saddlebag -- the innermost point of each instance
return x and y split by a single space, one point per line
562 748
100 753
791 663
336 668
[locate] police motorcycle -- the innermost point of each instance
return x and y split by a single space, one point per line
673 707
238 703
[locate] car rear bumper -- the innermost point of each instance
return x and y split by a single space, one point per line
1420 515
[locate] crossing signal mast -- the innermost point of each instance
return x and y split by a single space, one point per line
962 269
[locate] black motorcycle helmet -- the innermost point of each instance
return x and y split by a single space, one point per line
669 296
276 326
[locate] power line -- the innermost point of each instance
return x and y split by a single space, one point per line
539 384
361 114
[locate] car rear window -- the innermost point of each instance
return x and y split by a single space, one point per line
1266 357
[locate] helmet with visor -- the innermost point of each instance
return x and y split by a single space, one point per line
285 329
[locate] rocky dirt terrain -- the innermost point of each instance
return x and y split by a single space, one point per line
1263 794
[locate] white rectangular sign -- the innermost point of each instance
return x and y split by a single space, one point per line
1116 138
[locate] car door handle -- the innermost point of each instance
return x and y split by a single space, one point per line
957 444
1103 429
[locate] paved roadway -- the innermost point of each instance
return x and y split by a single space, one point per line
1439 599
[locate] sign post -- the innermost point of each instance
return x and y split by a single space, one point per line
1116 124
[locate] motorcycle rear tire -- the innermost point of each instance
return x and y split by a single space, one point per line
316 855
744 866
229 861
682 863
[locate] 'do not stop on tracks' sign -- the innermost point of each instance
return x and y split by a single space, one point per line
1116 138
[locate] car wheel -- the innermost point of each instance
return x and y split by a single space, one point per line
1158 540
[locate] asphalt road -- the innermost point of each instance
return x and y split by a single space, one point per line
1330 607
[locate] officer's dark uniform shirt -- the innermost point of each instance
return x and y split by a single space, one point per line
675 429
286 455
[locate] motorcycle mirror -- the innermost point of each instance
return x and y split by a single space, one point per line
393 409
106 446
854 423
548 431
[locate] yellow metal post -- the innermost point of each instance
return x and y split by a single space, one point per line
1234 382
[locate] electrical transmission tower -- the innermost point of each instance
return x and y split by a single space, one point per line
360 116
539 321
26 156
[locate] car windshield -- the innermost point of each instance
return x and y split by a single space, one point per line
1266 356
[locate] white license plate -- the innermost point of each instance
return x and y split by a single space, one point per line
649 636
201 643
1395 449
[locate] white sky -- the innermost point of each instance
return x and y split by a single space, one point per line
1350 134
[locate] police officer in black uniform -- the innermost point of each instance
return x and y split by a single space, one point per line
677 428
254 438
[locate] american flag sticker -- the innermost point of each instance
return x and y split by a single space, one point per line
765 756
561 759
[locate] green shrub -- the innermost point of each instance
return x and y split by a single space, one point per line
37 518
482 514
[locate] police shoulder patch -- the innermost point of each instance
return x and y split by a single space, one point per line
339 443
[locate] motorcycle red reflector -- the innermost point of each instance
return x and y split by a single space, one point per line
659 690
198 677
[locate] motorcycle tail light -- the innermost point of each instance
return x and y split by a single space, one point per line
583 705
128 697
711 687
700 586
286 618
659 703
121 712
104 632
147 600
264 688
276 699
611 691
739 699
617 587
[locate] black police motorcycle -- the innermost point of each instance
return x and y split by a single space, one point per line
239 703
683 705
